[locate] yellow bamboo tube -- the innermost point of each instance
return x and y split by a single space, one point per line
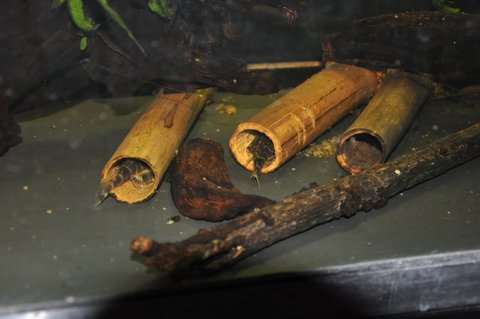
154 140
297 118
377 130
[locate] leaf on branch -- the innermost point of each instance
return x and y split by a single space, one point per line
83 43
445 6
161 7
116 17
75 8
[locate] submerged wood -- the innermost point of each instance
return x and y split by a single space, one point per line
201 187
201 46
441 44
9 132
214 248
379 127
41 62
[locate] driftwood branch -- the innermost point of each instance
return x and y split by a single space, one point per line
41 62
418 42
216 247
207 44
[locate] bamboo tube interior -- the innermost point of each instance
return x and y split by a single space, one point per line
243 140
141 189
360 150
374 134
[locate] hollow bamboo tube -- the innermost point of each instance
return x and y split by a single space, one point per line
297 118
154 139
377 130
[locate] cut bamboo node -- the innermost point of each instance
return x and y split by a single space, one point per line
380 126
305 112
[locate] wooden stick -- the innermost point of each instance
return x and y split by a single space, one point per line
377 130
283 65
216 247
154 139
296 119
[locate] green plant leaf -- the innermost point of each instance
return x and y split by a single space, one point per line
116 17
83 43
75 8
441 5
161 7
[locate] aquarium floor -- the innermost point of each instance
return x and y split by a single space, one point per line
57 249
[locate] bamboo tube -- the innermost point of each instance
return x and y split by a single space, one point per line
305 112
374 134
154 140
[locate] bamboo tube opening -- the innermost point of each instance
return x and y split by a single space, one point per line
360 149
143 190
377 130
243 139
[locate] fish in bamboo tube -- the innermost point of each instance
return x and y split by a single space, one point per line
135 170
378 129
268 139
